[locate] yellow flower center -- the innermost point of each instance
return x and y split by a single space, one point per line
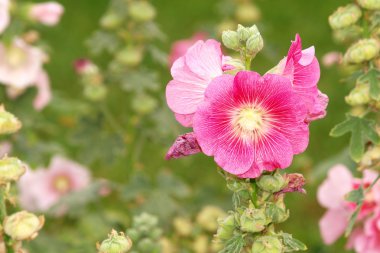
62 184
249 122
15 56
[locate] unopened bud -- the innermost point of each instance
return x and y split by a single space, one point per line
116 243
144 103
201 244
111 21
8 122
23 225
11 169
348 34
208 217
183 226
231 40
370 158
95 92
141 11
276 213
359 95
271 183
130 56
145 220
255 43
243 33
362 51
345 16
85 67
267 244
370 4
226 228
247 13
253 220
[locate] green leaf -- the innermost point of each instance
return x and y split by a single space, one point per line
234 245
356 196
361 130
372 78
292 244
353 218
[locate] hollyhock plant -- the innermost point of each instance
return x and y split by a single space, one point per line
192 73
48 13
331 195
251 123
43 188
4 15
302 68
180 47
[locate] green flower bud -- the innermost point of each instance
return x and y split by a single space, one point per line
271 183
208 217
116 243
362 51
276 213
247 13
8 122
141 11
345 16
183 226
253 220
267 244
147 245
243 33
144 103
11 169
255 43
226 228
359 95
201 244
235 184
130 56
231 40
23 225
370 4
111 21
95 92
347 34
146 220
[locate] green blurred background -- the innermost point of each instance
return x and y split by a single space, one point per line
281 20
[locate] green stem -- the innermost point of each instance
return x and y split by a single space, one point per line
248 62
3 214
112 122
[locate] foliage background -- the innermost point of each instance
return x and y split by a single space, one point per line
281 20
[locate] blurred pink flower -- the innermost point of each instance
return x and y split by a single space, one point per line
48 13
331 195
251 123
331 58
41 189
84 66
192 73
20 64
5 148
180 47
43 91
4 15
302 69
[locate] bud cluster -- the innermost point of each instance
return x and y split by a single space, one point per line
22 225
246 40
260 207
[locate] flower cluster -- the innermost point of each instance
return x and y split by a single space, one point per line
333 194
21 56
249 123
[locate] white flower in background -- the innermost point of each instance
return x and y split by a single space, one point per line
4 15
48 13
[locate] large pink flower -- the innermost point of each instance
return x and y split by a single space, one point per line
192 73
48 13
331 195
180 47
302 68
43 188
4 15
251 123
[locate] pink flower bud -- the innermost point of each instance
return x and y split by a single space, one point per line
48 13
184 145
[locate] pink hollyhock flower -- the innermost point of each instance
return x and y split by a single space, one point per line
43 91
192 73
332 58
48 13
41 189
4 15
251 123
302 68
180 47
20 64
331 195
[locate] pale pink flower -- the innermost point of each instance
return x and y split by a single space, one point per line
5 148
192 73
331 195
43 188
4 15
48 13
332 58
251 124
20 64
302 68
180 47
43 91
